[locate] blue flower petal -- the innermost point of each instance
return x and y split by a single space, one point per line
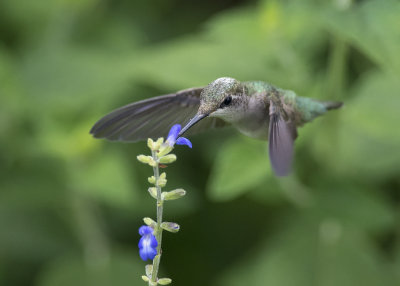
147 247
183 141
148 240
144 229
173 133
153 241
147 253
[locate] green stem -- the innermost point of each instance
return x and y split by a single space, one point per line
158 230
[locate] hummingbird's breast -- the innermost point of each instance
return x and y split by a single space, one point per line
253 120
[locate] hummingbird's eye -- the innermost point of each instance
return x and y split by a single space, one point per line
226 102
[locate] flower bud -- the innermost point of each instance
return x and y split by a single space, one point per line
153 192
170 158
164 150
145 278
151 180
162 181
147 160
173 195
144 159
149 269
158 143
150 222
170 226
152 162
154 146
150 143
164 281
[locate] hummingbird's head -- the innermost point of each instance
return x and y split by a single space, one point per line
218 95
218 99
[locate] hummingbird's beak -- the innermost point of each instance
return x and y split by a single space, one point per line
192 122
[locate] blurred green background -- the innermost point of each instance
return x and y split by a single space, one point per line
70 205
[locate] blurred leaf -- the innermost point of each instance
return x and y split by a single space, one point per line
42 186
367 142
240 165
121 269
396 265
65 63
374 28
354 207
11 99
236 44
375 109
67 143
106 178
70 78
32 234
311 252
101 175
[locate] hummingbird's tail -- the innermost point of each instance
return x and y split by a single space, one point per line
332 104
310 108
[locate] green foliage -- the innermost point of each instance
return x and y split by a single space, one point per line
228 178
70 205
74 270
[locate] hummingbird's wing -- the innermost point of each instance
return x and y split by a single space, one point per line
152 118
281 137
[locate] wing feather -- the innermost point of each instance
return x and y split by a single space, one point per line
152 118
281 140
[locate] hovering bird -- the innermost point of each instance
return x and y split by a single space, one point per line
257 109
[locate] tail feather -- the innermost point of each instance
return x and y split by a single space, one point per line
310 108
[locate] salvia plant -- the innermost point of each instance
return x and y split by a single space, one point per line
151 233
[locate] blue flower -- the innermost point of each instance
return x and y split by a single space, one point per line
173 134
147 244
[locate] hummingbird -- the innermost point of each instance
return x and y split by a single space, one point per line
256 108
